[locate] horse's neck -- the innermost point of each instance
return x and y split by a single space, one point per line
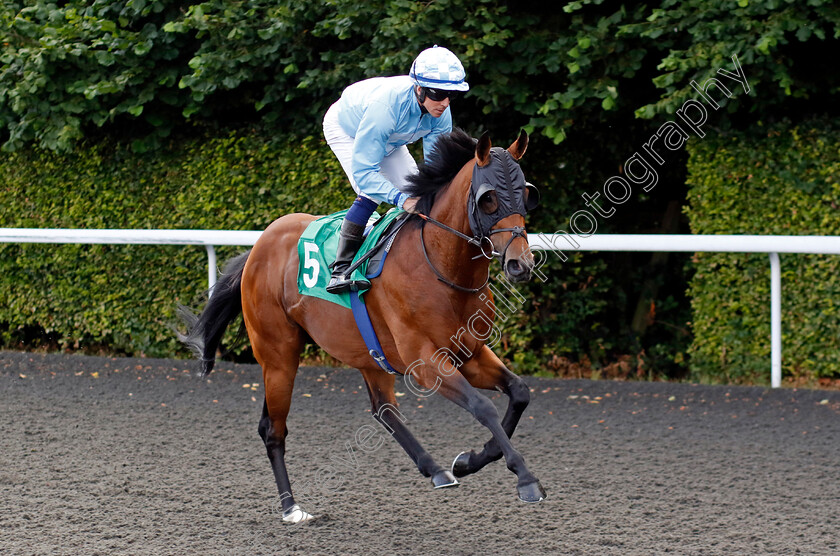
450 254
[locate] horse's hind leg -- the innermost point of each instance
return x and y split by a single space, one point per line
279 362
384 407
487 371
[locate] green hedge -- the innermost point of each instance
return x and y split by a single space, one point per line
784 181
124 297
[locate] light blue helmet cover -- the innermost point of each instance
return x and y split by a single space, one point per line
439 68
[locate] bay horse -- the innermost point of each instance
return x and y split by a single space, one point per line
418 310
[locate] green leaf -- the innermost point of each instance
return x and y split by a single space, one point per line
143 48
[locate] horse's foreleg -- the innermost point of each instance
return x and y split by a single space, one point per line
384 407
487 371
457 389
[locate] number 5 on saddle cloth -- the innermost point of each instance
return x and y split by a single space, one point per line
316 251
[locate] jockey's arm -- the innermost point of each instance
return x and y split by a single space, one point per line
368 152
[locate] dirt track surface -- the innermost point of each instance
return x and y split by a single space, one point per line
138 456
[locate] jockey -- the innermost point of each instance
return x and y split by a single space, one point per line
368 129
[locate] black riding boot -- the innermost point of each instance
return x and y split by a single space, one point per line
350 239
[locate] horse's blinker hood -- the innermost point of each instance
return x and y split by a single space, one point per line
504 176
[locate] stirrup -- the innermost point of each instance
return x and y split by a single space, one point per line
341 284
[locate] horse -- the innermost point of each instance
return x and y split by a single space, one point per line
475 197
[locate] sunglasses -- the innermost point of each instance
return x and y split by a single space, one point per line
438 95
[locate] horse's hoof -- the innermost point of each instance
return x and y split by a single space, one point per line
296 515
461 465
532 492
444 479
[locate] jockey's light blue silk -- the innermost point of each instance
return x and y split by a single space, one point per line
382 114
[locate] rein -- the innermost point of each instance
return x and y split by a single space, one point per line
471 240
516 231
440 276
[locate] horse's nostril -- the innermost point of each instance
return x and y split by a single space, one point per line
514 267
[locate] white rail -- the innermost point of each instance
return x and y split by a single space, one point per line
773 245
208 238
824 245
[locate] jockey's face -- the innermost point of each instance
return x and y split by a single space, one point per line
434 107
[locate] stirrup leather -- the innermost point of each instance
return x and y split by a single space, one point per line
350 239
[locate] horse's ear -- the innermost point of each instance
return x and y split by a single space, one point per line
482 149
517 149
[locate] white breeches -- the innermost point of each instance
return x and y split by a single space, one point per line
395 167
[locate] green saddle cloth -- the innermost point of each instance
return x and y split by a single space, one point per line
316 250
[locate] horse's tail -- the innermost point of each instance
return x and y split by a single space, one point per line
205 331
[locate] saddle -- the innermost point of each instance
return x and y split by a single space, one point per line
317 247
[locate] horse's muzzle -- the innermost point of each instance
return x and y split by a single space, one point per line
518 269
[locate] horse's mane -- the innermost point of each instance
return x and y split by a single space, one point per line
451 151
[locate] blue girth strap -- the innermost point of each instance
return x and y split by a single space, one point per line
360 313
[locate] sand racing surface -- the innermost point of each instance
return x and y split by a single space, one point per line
108 456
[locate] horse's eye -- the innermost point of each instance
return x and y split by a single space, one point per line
488 203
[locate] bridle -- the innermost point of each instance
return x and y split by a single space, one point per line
499 181
516 231
482 225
